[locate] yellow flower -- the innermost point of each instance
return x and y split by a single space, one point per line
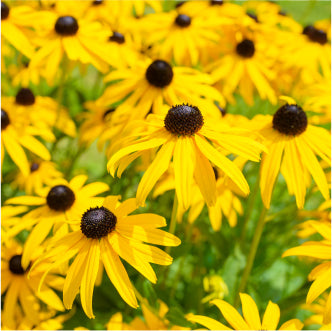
59 202
41 173
293 144
14 23
15 134
41 112
80 40
150 84
22 289
183 135
107 232
251 320
321 275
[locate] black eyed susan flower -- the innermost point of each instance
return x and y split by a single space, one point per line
251 320
21 289
182 134
39 111
321 250
41 173
58 203
292 144
150 84
81 41
14 27
107 232
15 135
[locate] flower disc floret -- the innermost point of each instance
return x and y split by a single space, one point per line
290 120
216 2
15 265
117 37
60 198
66 26
184 120
159 73
183 21
98 222
4 11
25 97
5 121
245 48
315 35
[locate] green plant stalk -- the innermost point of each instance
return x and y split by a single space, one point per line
251 255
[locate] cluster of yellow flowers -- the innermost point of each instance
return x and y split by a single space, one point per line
157 80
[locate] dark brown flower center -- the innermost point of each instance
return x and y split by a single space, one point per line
98 222
315 35
216 2
182 20
60 198
159 73
25 97
15 265
66 26
34 167
245 48
183 120
5 121
290 120
117 37
4 11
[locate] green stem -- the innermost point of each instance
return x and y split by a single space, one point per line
251 204
251 256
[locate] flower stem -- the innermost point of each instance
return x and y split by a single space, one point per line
252 254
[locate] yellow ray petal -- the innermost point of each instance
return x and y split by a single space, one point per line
271 317
144 220
159 165
35 146
321 283
117 273
89 277
184 164
94 189
250 312
312 250
231 315
208 322
222 162
293 324
27 200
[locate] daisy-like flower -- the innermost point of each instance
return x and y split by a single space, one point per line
14 27
245 66
150 84
60 202
21 289
251 320
107 232
321 275
15 134
41 112
79 40
175 35
182 134
41 173
292 144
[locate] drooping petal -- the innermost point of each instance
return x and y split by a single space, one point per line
208 322
250 312
271 317
293 324
321 283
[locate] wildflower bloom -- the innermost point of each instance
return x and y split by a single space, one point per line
18 287
56 203
321 275
153 83
251 320
41 173
292 144
106 233
182 134
15 134
14 23
42 112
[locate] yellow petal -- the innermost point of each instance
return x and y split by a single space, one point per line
208 322
293 324
312 250
271 317
321 283
144 220
250 312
